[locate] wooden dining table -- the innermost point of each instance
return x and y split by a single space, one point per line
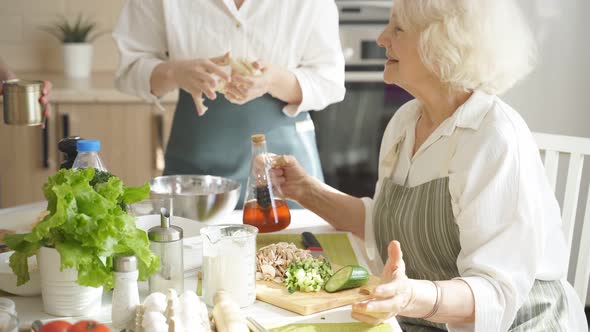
31 308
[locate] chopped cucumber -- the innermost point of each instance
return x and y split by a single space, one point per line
350 276
308 275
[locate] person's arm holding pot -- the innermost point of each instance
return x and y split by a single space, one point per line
7 74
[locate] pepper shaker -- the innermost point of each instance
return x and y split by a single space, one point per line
125 294
166 242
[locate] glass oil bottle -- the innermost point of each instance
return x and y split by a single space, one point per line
264 205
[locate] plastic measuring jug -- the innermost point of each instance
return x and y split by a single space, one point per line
229 262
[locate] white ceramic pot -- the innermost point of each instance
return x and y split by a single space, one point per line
62 296
77 60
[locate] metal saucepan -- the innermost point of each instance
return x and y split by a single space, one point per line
204 198
21 102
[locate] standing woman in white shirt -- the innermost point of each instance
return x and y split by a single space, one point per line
167 45
461 188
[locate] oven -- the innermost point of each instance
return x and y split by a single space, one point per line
349 133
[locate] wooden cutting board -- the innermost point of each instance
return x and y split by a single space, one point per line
310 303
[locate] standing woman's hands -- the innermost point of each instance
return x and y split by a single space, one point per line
200 76
243 89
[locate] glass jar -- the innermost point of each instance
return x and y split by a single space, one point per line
166 243
229 262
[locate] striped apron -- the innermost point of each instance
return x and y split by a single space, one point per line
421 219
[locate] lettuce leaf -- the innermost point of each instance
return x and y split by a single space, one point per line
88 226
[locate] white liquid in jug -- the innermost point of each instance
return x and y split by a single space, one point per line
230 265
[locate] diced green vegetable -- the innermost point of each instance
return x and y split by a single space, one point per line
350 276
308 275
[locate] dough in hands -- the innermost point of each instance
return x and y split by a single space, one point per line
240 66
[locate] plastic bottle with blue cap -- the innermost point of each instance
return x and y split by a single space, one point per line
88 150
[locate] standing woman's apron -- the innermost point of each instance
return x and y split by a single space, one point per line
218 143
421 219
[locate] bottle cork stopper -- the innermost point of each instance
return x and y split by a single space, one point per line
258 138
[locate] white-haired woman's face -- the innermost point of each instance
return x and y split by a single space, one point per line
403 66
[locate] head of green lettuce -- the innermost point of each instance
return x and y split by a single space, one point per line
88 225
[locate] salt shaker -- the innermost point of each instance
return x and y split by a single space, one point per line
125 294
166 242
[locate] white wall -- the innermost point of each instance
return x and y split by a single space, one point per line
555 98
24 46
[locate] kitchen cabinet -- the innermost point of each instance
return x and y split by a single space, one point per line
27 158
133 137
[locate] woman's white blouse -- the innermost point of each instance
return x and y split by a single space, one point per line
300 35
508 217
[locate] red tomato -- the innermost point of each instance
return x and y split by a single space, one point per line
88 326
55 326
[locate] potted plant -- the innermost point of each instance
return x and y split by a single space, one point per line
76 37
86 226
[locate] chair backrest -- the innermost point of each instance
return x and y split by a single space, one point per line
576 148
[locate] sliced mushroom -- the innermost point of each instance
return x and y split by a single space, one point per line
273 260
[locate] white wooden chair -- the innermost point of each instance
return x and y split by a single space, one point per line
576 148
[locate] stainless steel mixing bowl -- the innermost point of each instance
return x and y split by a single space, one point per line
203 198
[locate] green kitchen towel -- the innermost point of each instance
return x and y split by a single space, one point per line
336 246
333 327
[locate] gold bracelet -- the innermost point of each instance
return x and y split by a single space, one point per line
436 302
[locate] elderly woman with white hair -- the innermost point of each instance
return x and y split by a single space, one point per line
461 186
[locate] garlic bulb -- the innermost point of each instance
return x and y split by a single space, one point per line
154 322
172 313
155 302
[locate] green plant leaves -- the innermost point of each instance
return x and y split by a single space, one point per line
81 30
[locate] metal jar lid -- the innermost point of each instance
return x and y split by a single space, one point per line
125 263
21 86
165 232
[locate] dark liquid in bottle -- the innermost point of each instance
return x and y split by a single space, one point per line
264 218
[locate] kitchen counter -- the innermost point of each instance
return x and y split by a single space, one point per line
100 87
31 308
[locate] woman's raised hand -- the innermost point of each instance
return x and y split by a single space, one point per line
293 180
392 296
